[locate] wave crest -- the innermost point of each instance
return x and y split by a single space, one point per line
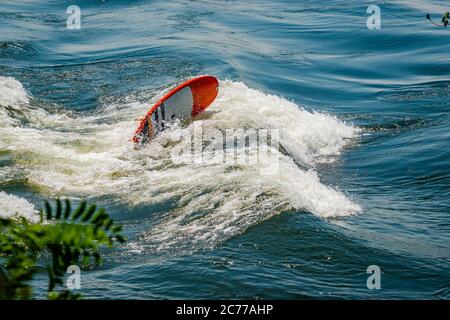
91 155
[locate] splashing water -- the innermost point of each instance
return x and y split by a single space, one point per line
14 206
84 155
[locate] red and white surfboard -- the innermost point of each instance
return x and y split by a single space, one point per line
185 101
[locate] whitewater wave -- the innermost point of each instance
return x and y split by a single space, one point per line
89 155
14 206
12 92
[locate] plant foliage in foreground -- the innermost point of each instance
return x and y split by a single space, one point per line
65 237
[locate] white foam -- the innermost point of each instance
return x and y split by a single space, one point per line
12 95
14 206
12 92
310 137
93 156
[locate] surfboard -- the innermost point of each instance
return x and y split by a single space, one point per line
185 101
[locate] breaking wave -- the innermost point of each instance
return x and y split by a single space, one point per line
14 206
90 155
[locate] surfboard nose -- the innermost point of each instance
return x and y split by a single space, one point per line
204 91
186 100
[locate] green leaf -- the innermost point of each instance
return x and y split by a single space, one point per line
100 215
56 245
68 209
97 257
121 238
117 228
107 223
48 210
58 209
79 211
88 214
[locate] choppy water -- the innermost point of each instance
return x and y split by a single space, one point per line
363 175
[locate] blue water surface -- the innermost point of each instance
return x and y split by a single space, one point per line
393 83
